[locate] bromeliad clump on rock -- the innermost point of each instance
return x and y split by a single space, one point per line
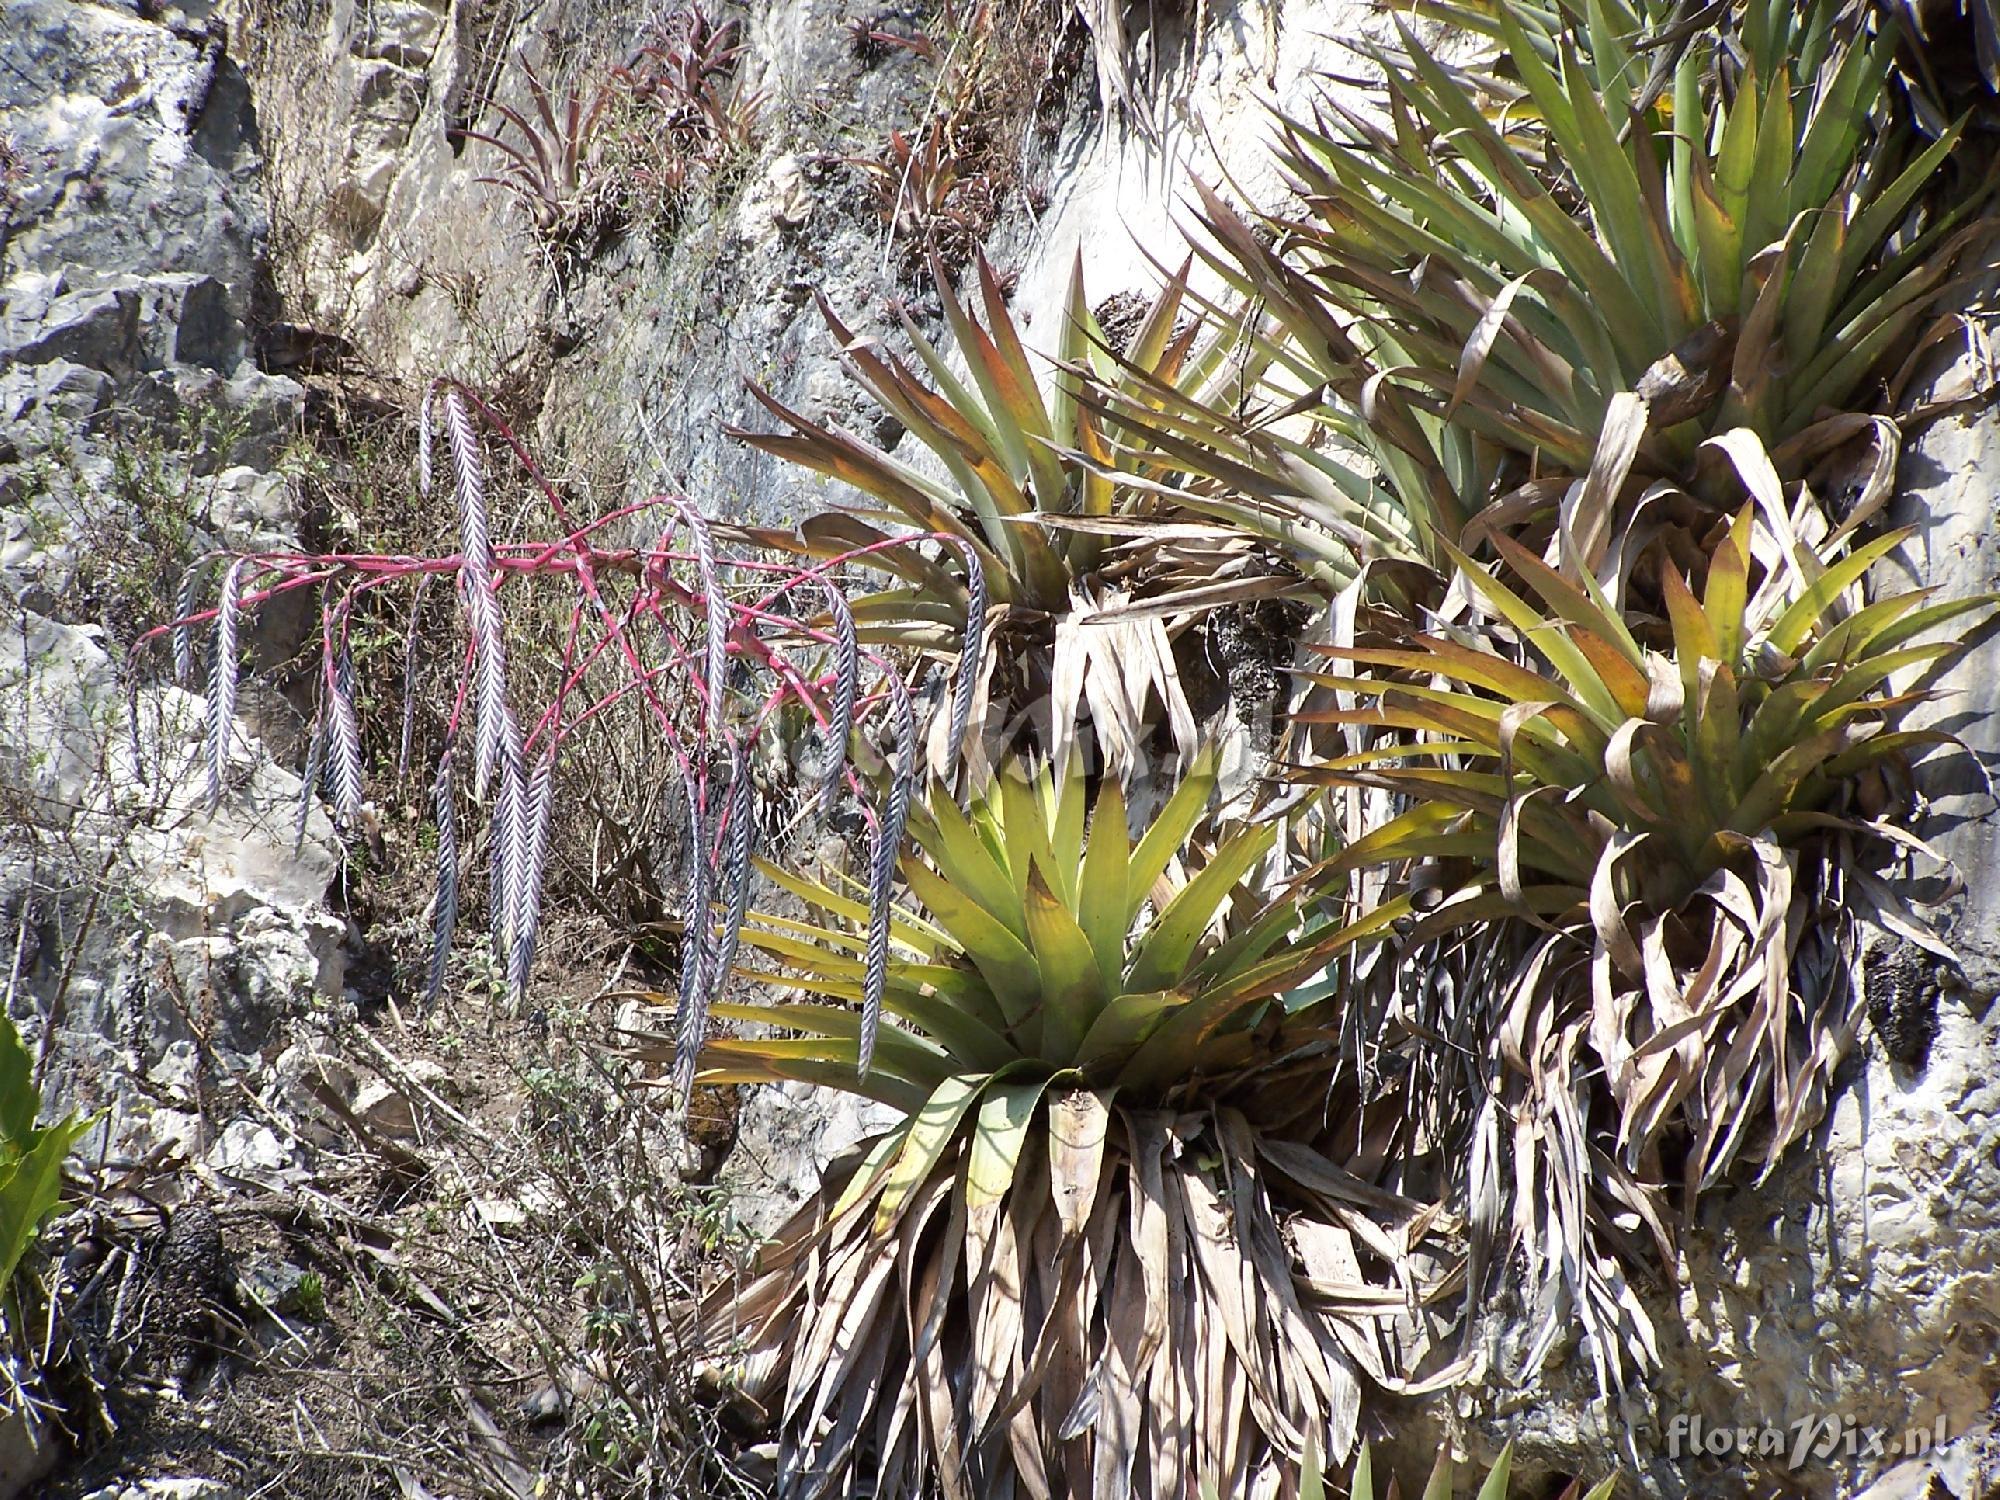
1110 1249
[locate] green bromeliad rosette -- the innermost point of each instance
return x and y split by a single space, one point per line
1672 835
1110 1232
1579 244
1061 471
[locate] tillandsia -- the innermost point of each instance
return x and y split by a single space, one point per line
683 74
931 202
1759 243
940 186
556 171
1686 821
708 646
685 113
1100 549
1124 1239
634 144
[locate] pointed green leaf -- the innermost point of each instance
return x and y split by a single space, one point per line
1170 941
1072 988
1102 912
1002 1125
931 1132
1169 833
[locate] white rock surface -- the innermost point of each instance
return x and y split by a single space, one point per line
172 945
788 1134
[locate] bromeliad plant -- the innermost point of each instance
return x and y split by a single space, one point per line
689 112
1064 1272
1754 247
933 203
635 143
712 650
1098 555
1693 814
556 169
1759 708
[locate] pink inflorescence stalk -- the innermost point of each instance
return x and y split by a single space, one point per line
709 691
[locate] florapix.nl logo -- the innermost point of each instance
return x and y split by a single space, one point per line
1815 1439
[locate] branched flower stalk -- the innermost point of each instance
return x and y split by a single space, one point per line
710 643
222 679
444 909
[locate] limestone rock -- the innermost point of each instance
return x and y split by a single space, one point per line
184 943
142 146
386 1108
787 1137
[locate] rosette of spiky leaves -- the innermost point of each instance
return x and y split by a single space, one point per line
554 172
1677 806
682 72
1761 706
1021 458
1745 256
1073 504
1066 1263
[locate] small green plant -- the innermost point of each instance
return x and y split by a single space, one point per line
144 529
611 1431
31 1156
1312 1483
311 1296
707 1214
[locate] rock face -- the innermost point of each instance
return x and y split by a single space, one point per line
1949 495
133 228
169 947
